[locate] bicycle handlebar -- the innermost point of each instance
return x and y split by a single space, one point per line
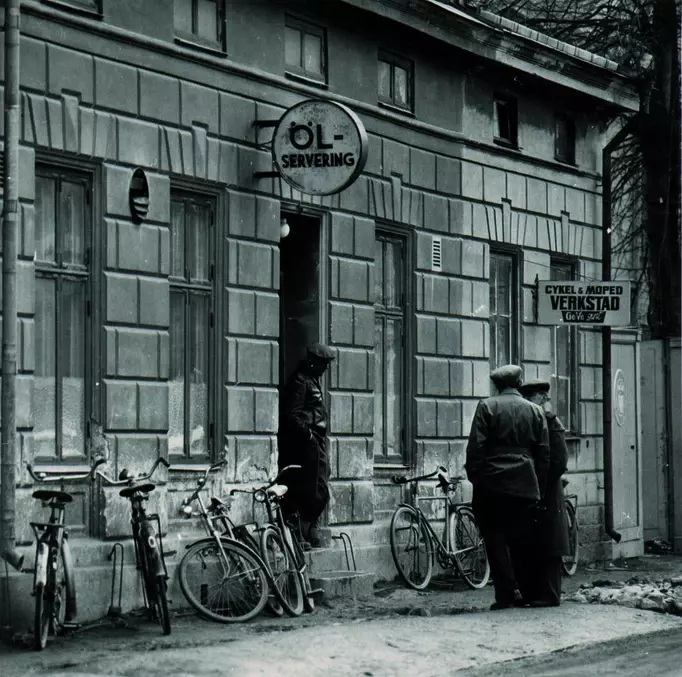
402 479
44 474
125 481
268 485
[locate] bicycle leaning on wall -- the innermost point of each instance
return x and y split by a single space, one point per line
54 588
415 543
569 563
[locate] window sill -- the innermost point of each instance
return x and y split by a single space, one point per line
306 80
507 144
568 163
397 109
92 12
208 48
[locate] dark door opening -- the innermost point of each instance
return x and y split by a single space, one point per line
299 290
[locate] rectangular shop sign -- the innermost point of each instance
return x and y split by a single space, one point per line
580 302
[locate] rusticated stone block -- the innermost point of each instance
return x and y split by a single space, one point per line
341 413
115 86
422 169
426 334
341 322
363 414
266 410
240 409
72 71
433 294
159 97
121 404
449 417
154 302
138 143
122 298
352 370
363 325
461 381
474 338
353 458
426 417
449 336
199 106
253 458
494 185
434 376
436 213
153 403
448 175
267 314
342 232
363 502
537 342
340 510
241 311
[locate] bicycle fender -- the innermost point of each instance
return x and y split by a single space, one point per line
151 546
71 608
41 564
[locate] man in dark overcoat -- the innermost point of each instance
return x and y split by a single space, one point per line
506 461
550 532
302 441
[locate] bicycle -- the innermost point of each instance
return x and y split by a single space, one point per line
569 563
149 555
280 545
53 584
222 578
414 541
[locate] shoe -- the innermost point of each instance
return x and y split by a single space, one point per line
498 606
539 603
516 601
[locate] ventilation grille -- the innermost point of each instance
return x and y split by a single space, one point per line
436 254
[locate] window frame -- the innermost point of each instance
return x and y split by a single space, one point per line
300 72
565 155
90 272
89 7
187 192
511 103
218 46
514 257
572 425
407 65
390 232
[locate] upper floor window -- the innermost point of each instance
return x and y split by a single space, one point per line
200 21
502 302
564 139
305 48
564 358
89 6
396 81
190 405
64 333
506 120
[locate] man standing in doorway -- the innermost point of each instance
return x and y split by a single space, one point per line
550 533
506 461
303 441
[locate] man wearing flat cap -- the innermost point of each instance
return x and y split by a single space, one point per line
507 458
550 534
303 421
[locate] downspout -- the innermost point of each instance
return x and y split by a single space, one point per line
607 391
10 215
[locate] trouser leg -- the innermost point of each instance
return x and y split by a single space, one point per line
549 580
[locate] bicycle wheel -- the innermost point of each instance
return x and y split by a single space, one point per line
468 549
569 563
50 604
282 567
43 612
411 547
227 588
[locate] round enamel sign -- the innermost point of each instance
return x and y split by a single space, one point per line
319 147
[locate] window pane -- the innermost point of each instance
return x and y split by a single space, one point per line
72 362
176 383
199 218
292 47
393 396
207 20
45 213
198 374
400 95
44 393
182 16
379 272
71 222
312 52
393 275
503 353
504 281
384 80
178 238
379 386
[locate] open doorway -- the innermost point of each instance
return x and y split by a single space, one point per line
299 290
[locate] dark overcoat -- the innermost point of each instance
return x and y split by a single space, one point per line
552 527
302 440
508 448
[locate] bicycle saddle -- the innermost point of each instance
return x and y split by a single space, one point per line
278 490
144 488
48 494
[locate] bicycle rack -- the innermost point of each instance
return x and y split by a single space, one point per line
115 610
347 545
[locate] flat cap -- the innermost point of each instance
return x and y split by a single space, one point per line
534 386
321 351
508 375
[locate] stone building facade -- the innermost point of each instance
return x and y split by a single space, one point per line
482 176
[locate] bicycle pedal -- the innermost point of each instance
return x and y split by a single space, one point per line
316 592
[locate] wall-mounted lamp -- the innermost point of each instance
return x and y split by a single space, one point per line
138 194
284 228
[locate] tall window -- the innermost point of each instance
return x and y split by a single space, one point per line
192 271
506 120
564 139
63 226
396 82
564 341
200 21
390 279
502 309
305 49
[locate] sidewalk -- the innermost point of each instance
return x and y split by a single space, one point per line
394 632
